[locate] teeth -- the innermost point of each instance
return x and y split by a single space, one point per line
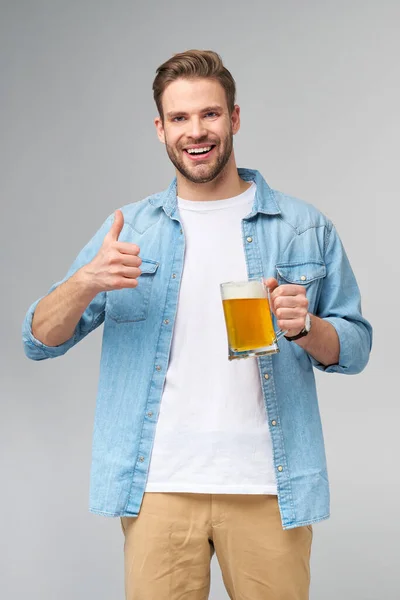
199 150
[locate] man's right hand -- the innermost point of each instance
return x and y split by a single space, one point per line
116 265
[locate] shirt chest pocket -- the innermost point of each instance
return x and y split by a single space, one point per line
132 304
309 274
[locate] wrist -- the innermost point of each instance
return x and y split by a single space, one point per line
86 281
292 337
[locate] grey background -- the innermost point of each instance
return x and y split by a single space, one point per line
318 85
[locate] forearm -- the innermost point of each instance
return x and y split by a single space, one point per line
322 343
57 315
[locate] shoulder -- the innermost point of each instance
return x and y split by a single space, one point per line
299 214
140 215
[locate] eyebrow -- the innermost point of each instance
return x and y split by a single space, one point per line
215 108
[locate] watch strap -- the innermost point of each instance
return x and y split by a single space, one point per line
305 331
302 333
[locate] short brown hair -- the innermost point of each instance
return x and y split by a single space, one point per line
190 65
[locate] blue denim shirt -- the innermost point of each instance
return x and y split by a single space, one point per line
282 237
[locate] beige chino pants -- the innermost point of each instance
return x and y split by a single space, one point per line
169 546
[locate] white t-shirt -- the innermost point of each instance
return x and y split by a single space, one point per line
212 434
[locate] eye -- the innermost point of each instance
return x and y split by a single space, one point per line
178 119
211 114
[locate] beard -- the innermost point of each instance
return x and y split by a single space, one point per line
207 171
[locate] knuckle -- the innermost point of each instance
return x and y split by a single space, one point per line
113 258
303 294
277 291
115 283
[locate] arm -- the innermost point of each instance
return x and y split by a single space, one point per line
48 326
76 306
340 338
57 314
322 343
339 305
290 306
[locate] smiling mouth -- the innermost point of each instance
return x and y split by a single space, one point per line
199 153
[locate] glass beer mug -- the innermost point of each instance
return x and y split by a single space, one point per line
248 319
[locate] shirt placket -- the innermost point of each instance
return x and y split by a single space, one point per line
265 365
152 408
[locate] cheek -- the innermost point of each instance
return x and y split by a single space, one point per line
171 139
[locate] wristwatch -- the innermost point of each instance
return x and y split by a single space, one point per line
305 331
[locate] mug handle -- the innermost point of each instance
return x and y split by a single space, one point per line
278 333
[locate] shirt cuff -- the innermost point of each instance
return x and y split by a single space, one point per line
34 348
351 356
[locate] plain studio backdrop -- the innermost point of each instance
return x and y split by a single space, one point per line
318 86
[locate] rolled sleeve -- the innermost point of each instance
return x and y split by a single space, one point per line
34 348
340 305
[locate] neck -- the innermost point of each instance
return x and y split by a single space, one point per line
227 185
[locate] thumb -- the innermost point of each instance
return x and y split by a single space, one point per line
271 284
117 226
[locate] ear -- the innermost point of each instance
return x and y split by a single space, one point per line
235 119
160 129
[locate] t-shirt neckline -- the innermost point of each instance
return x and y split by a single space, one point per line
198 205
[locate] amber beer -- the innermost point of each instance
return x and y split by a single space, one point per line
248 319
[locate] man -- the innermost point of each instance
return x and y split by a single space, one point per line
195 453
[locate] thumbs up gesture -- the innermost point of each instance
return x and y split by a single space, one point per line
116 265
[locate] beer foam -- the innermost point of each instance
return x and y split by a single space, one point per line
248 289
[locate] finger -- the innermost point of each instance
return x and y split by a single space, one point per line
127 248
291 313
129 260
289 289
130 272
121 283
117 225
271 284
290 301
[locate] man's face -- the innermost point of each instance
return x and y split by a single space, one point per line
198 128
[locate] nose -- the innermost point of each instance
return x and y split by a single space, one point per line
197 129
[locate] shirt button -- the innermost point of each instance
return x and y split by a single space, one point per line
266 376
181 231
273 423
158 368
141 458
166 322
280 468
303 278
249 239
150 414
173 276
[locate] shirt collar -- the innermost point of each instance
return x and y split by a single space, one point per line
264 201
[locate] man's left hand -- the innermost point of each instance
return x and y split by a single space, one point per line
289 304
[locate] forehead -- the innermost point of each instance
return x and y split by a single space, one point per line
191 95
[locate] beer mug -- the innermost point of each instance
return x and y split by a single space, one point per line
248 319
